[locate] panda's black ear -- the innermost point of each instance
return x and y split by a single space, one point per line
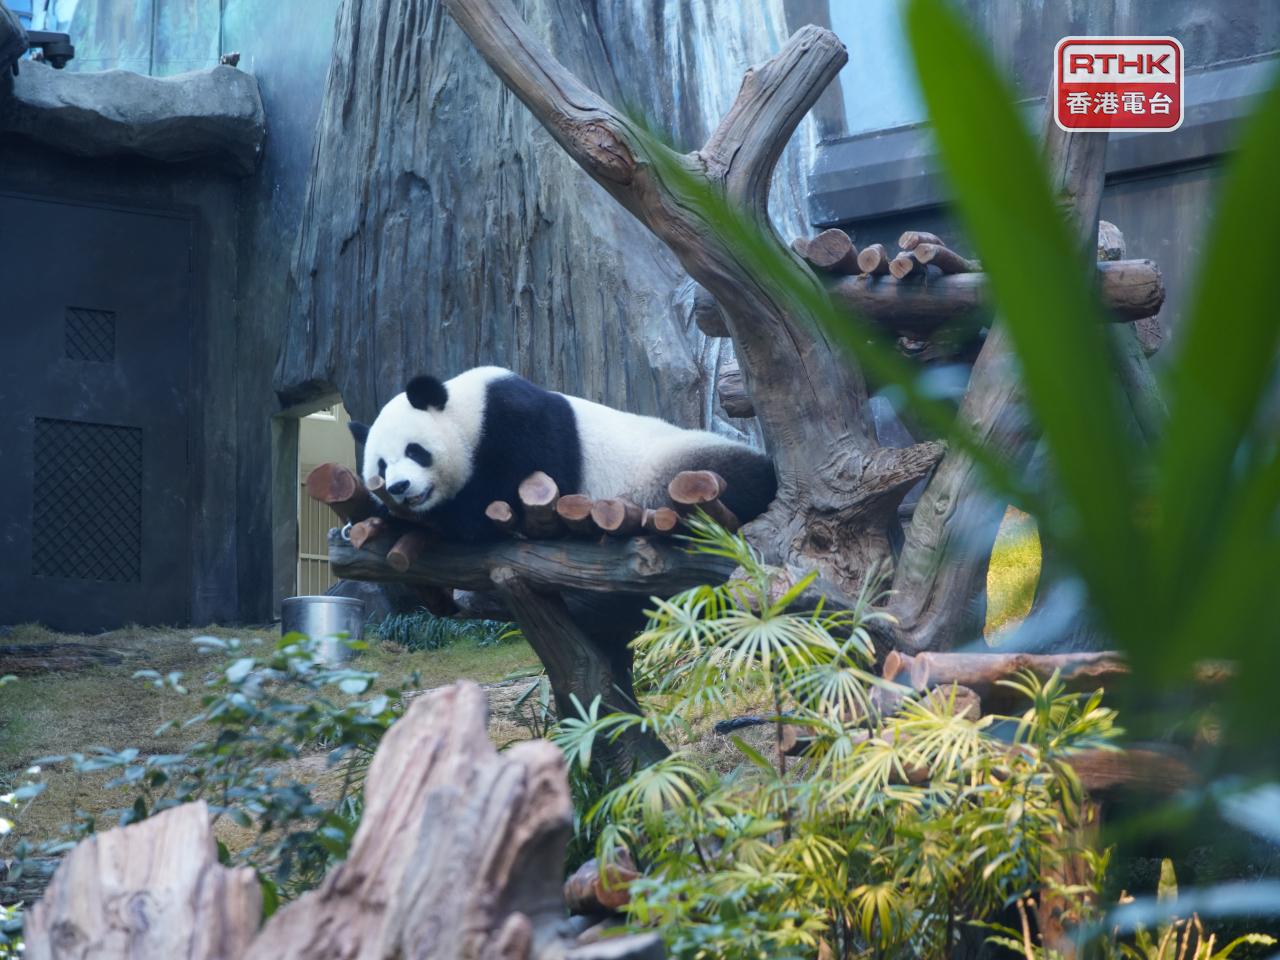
359 431
426 392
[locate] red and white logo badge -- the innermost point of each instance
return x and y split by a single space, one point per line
1118 83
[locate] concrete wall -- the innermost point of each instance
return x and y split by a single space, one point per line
252 223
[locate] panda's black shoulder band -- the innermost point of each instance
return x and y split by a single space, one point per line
426 392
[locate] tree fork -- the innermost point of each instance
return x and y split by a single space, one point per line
812 404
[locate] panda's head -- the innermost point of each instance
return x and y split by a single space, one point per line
417 446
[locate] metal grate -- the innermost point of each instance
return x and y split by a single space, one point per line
87 501
90 335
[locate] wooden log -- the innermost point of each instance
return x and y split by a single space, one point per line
801 246
904 265
1130 290
590 890
503 517
29 659
707 315
148 891
378 487
574 510
913 238
341 489
731 389
874 260
616 516
832 251
693 490
638 565
661 522
411 545
366 530
945 259
981 672
538 494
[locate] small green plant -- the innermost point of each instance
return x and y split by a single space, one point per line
261 709
887 834
422 630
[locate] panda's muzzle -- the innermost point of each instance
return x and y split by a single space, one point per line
419 499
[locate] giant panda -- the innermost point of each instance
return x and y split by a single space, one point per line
446 450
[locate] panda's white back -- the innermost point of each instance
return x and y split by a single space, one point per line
627 455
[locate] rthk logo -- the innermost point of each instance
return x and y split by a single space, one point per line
1118 83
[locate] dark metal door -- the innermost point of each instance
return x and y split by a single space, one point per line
95 360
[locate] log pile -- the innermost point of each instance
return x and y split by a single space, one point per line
540 512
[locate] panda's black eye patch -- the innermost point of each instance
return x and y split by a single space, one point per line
418 454
382 468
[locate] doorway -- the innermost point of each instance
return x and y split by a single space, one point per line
95 388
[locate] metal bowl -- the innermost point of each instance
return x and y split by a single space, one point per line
328 620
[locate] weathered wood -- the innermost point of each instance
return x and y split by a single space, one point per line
378 487
1130 290
660 522
617 516
638 565
707 315
459 853
945 259
574 510
342 491
731 389
28 659
368 529
874 260
503 517
150 891
832 251
591 890
410 545
913 238
538 494
579 668
904 265
693 490
982 672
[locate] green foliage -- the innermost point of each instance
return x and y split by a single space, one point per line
1177 938
1175 543
422 630
260 709
888 834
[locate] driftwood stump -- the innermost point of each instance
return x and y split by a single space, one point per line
151 890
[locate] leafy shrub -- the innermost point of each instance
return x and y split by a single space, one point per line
889 833
422 630
260 710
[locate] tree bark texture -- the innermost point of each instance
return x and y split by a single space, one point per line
939 584
443 228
